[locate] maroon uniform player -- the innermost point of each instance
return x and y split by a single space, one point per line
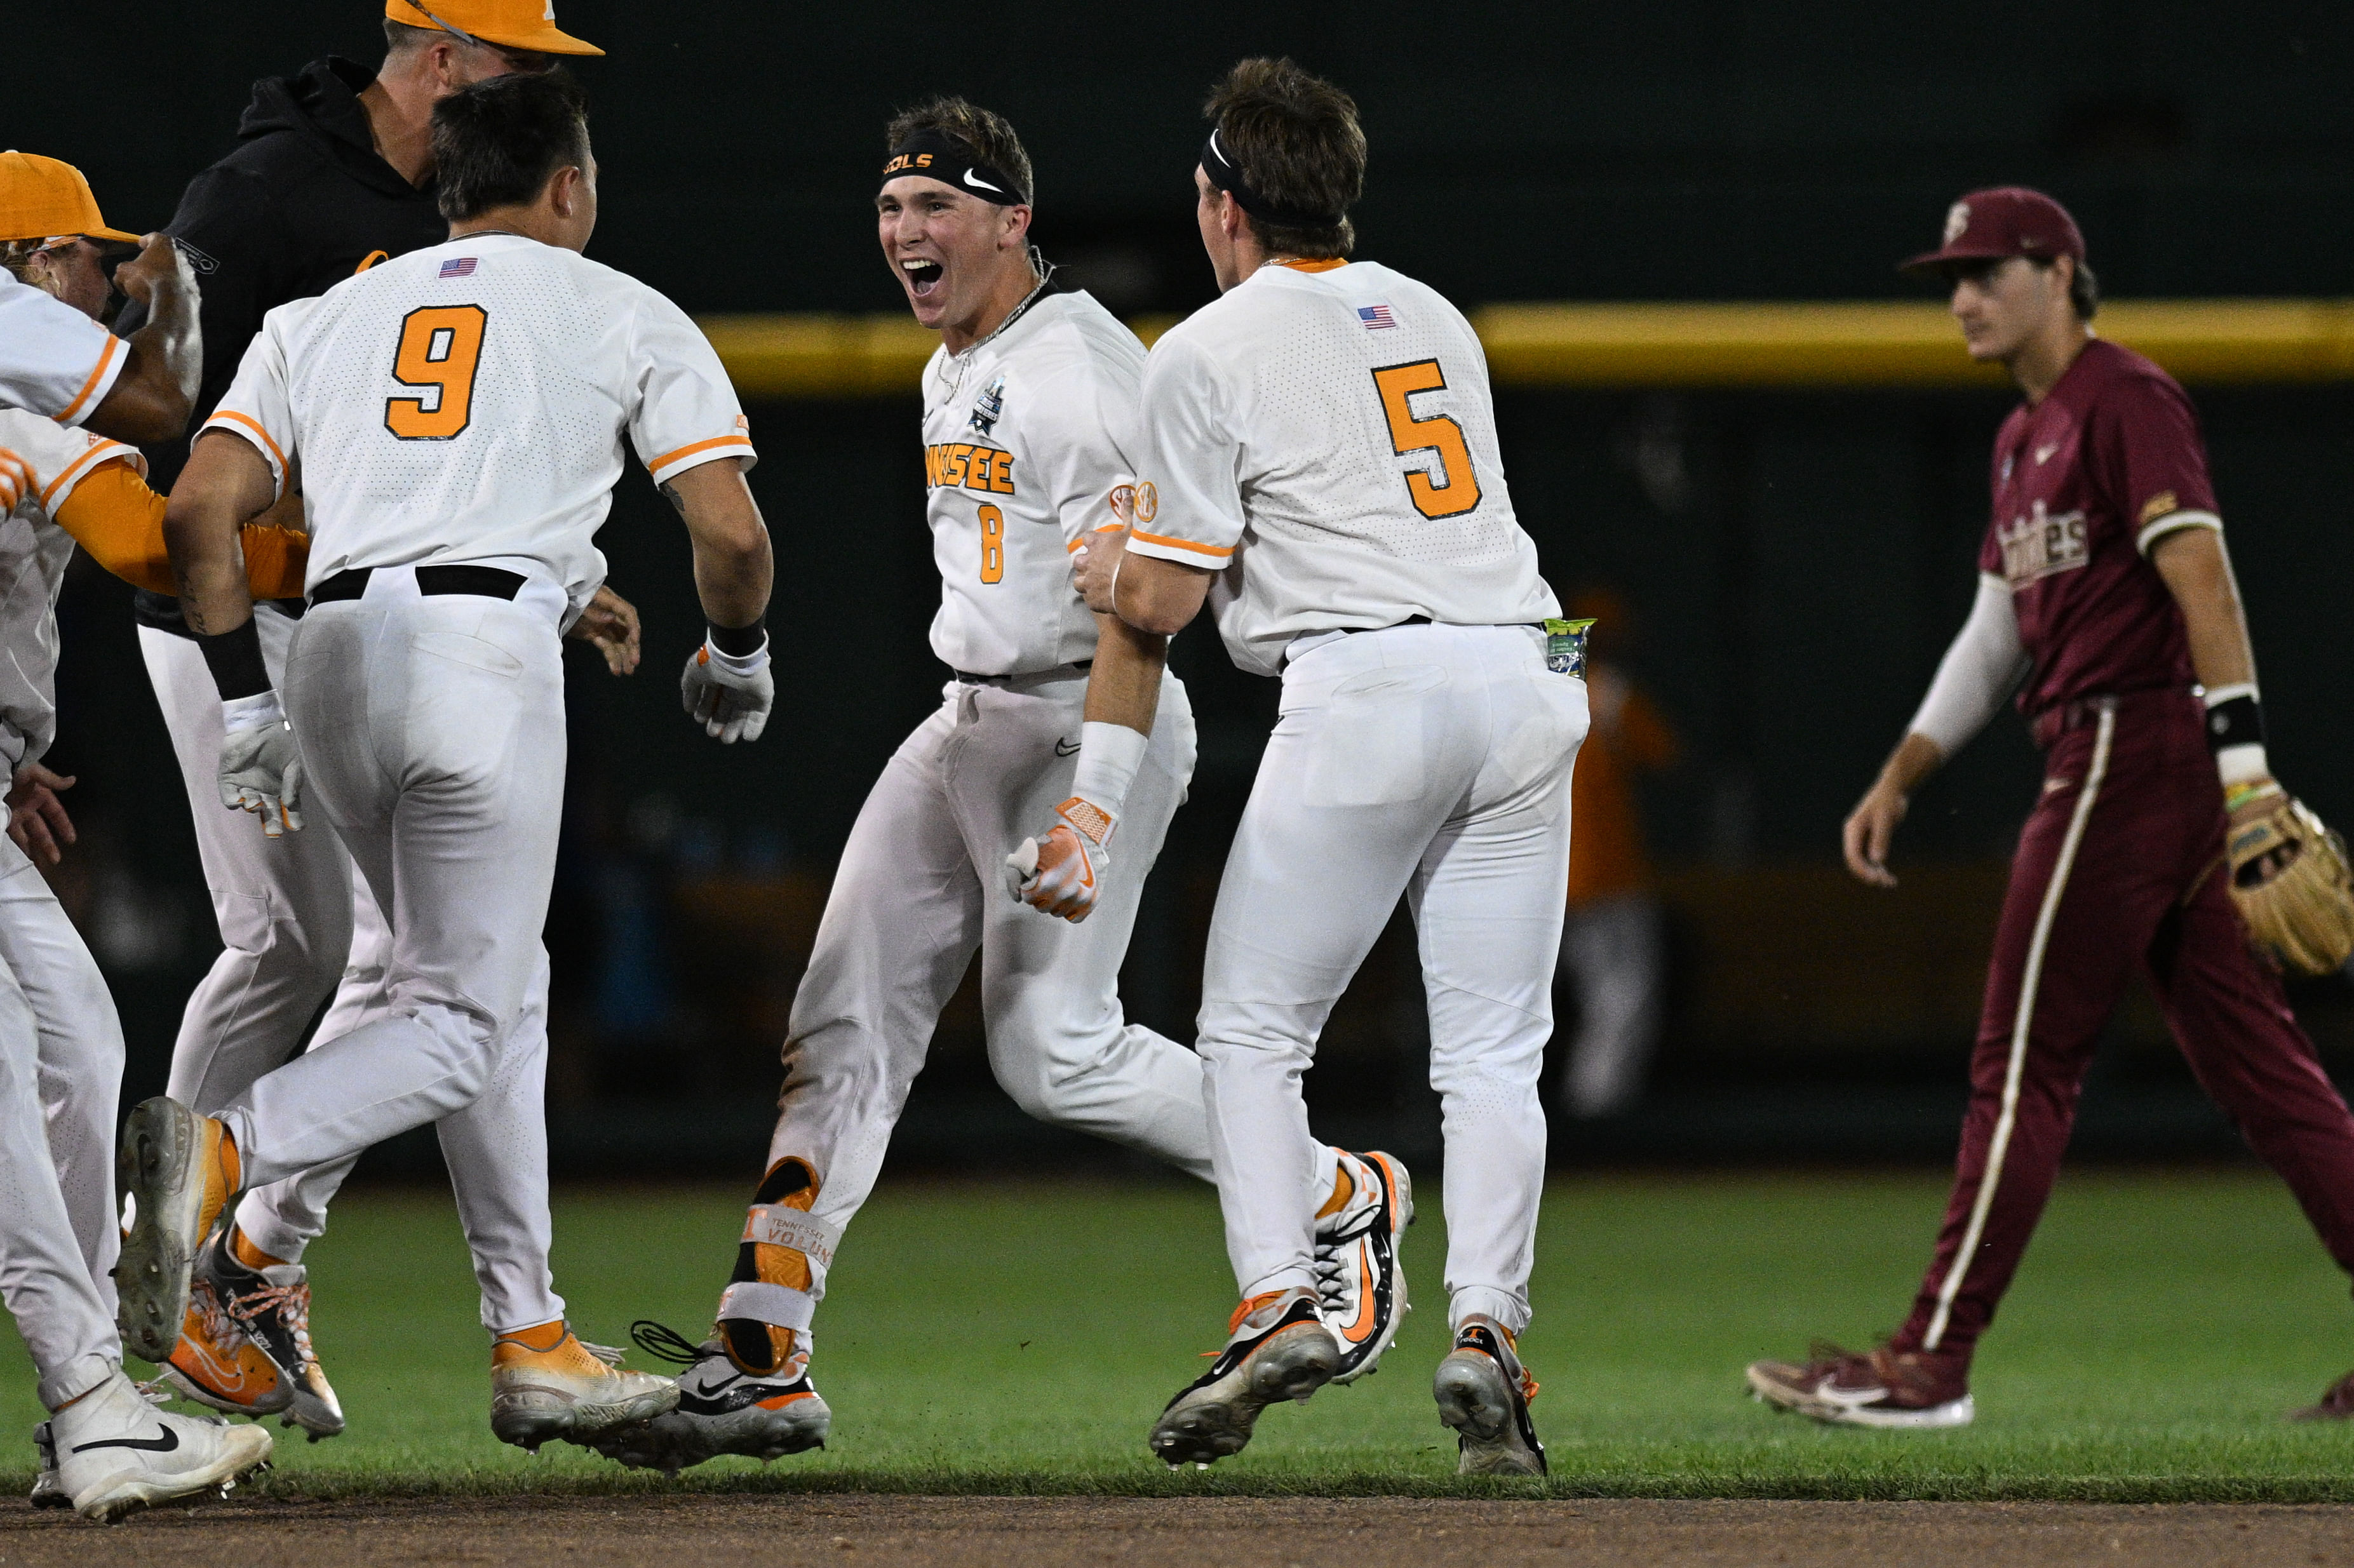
2104 585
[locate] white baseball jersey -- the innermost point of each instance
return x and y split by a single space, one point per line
1024 438
467 403
34 552
1324 432
54 360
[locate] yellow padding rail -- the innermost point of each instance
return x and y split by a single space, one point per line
2208 342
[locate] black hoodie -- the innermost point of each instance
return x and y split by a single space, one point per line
302 201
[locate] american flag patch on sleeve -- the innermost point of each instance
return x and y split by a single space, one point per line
1375 317
458 267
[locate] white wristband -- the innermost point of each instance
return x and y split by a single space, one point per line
1109 755
2238 764
751 664
259 711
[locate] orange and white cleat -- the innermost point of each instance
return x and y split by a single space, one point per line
1278 1348
722 1407
218 1364
246 1349
1360 1279
180 1171
1483 1392
547 1386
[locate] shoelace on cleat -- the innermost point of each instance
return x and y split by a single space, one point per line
666 1343
219 1320
291 1305
1249 1307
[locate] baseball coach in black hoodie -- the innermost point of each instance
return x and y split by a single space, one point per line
333 172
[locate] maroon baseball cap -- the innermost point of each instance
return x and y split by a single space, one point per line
2007 221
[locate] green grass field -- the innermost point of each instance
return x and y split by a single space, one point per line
1020 1339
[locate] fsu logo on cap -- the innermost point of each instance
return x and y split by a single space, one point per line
1958 221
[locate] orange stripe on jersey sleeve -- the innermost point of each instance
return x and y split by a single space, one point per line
105 358
105 451
657 464
251 424
1192 545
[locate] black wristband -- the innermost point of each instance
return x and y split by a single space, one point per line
2237 721
740 641
235 659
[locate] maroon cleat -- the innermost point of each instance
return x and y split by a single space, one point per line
1907 1389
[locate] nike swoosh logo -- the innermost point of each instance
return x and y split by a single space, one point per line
1358 1332
1066 749
981 185
163 1444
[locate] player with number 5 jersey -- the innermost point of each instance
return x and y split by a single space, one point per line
1318 462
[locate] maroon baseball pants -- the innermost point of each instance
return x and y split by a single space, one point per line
2120 866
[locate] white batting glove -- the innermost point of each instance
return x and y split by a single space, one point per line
1062 873
729 694
260 767
15 481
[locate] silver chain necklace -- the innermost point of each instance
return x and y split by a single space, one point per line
1046 271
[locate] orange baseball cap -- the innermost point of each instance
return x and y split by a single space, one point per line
41 197
509 24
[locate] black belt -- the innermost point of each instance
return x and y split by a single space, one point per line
971 679
484 582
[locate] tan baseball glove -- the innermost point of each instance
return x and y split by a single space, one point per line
2290 880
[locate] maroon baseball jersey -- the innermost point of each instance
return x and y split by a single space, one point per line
2083 482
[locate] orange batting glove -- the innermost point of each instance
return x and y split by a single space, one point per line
15 481
1061 873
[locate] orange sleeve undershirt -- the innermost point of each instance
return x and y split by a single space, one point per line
116 517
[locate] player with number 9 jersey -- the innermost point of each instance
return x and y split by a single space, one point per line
439 405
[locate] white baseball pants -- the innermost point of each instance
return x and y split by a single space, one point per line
919 887
287 907
432 729
294 922
60 1076
1432 761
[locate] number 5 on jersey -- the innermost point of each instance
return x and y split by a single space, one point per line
440 348
1450 491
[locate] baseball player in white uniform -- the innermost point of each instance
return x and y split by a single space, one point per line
104 1450
297 928
1029 407
460 415
1318 462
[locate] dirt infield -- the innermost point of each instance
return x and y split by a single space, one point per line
1065 1532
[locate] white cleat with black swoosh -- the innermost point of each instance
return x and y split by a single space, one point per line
1360 1279
722 1409
118 1454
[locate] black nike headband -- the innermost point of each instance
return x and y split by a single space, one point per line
937 155
1227 178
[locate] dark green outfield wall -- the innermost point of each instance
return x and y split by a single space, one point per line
1520 150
